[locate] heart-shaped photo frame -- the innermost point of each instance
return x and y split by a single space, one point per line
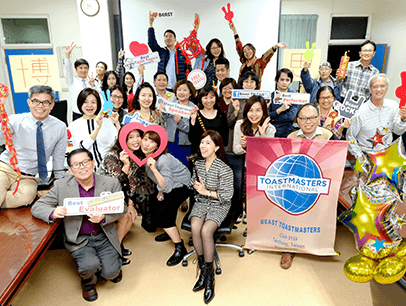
138 49
126 129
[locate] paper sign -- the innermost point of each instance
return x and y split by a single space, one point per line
291 97
401 90
198 78
348 107
30 70
175 108
294 60
130 63
107 203
246 94
164 14
135 118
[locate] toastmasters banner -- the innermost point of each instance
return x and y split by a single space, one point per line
292 192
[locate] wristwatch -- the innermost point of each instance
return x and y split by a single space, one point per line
208 193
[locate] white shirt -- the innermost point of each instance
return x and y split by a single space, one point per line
368 119
24 130
316 132
75 85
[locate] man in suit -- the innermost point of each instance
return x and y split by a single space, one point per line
92 240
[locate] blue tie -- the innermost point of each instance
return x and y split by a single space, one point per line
42 161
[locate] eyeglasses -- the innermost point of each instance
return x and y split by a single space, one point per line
312 119
45 103
324 69
83 163
326 98
117 97
215 48
367 51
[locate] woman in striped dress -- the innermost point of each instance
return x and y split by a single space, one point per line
214 187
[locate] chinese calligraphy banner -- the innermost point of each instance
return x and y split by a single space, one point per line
292 193
294 60
30 70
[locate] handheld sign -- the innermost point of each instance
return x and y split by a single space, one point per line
246 94
198 78
175 108
309 54
130 63
135 118
107 203
401 90
138 49
348 107
292 97
228 13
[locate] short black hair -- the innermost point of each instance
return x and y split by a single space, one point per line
227 81
122 90
81 61
204 92
136 104
307 104
103 63
159 73
170 31
368 42
223 61
84 94
321 89
253 76
77 151
284 70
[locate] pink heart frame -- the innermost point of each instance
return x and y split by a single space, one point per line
126 129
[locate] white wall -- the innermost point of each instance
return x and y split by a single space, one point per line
261 30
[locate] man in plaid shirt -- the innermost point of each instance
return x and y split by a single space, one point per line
359 72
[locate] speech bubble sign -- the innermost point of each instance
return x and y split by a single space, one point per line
309 54
291 97
348 107
138 49
198 78
401 90
126 129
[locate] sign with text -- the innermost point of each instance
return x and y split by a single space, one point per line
175 108
130 63
348 107
164 14
292 192
30 70
107 203
291 97
246 94
198 78
135 118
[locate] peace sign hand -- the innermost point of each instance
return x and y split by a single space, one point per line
68 49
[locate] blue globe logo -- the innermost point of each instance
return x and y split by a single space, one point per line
299 166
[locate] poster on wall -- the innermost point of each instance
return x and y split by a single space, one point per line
30 70
292 192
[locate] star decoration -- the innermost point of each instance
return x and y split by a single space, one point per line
361 166
379 244
388 163
378 138
397 220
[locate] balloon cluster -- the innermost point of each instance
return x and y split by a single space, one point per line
190 47
4 92
372 217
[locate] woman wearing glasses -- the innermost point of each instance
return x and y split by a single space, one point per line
118 97
93 131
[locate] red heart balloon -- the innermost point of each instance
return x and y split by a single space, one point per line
138 49
129 127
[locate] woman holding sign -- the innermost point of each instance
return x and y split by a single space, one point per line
329 118
255 123
144 103
171 178
136 185
214 190
177 127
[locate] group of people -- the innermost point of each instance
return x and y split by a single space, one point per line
216 130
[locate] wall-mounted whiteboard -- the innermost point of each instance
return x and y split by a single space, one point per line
257 22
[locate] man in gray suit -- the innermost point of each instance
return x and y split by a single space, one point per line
92 240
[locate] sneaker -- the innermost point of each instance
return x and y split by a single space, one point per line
245 219
239 219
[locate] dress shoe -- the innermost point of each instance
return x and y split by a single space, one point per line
209 286
118 278
125 261
239 219
286 260
124 251
89 292
177 256
200 284
163 237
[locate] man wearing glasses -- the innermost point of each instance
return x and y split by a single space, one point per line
91 239
37 136
359 72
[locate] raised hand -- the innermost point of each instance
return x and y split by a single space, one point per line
262 128
99 119
281 45
91 79
124 157
306 66
121 53
141 69
228 14
68 49
151 19
309 54
193 116
196 23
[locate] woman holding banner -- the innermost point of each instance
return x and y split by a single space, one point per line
171 178
177 127
213 182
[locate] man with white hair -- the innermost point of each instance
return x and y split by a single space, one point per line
376 119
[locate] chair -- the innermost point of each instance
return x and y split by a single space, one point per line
224 229
60 111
